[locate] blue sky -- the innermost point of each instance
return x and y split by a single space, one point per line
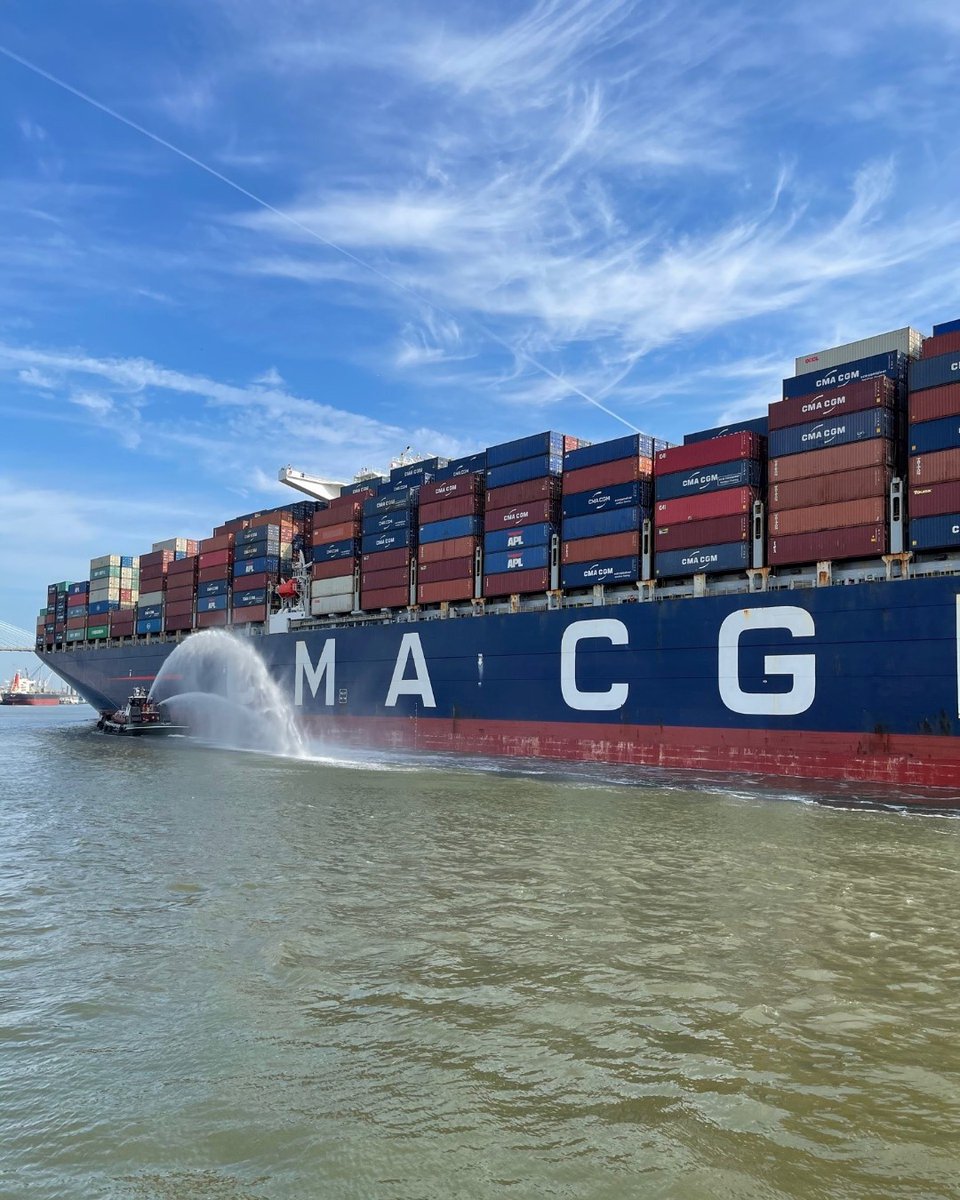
487 220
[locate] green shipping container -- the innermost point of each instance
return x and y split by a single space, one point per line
98 631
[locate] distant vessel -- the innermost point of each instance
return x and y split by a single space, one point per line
25 691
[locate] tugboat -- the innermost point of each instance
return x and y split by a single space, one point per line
139 716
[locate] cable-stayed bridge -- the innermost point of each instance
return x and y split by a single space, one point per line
13 638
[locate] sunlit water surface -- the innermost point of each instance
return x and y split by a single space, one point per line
229 975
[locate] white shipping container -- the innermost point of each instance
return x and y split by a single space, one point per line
151 597
907 340
105 560
340 585
323 606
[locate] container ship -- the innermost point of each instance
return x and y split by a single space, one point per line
780 596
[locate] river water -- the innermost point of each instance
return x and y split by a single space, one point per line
228 975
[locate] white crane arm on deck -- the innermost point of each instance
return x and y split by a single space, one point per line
311 485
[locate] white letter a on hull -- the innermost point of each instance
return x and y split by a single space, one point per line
420 684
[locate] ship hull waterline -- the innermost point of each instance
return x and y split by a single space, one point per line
857 683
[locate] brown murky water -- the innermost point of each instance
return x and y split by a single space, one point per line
227 975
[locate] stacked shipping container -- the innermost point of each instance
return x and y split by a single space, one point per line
833 449
607 496
335 541
522 513
451 517
934 444
705 492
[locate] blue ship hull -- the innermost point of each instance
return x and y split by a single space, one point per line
840 682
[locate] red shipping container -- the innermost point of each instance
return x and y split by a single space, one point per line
611 545
512 583
715 532
943 466
341 569
178 608
77 622
336 533
855 397
446 589
207 620
156 558
153 575
445 510
877 452
126 595
943 343
335 520
520 514
376 581
383 560
817 517
623 470
830 489
183 577
211 545
449 568
176 595
448 489
397 597
172 624
452 548
209 574
249 614
260 580
214 558
725 503
934 499
934 402
77 601
523 493
728 448
865 541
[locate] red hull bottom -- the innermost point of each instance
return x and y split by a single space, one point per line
901 760
32 702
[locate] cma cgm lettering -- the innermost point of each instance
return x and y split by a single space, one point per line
892 365
815 435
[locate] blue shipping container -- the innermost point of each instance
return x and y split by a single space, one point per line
79 589
246 599
213 587
620 520
400 518
946 327
468 465
524 469
256 566
607 570
147 612
418 472
741 473
617 495
153 625
929 436
212 603
517 539
390 502
258 549
529 558
634 445
102 606
260 533
453 527
729 556
373 485
335 550
935 533
892 365
754 425
932 372
537 445
126 560
838 431
394 539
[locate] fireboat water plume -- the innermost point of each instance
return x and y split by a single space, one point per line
219 687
